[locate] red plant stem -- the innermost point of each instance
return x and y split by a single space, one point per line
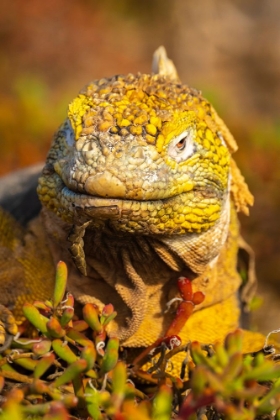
190 406
184 311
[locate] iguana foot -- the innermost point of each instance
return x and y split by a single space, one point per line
8 328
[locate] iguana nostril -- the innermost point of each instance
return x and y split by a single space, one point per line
105 185
138 153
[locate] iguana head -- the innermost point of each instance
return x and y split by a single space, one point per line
142 153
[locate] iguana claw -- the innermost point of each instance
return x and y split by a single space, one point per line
8 328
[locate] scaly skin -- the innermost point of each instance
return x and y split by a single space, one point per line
140 182
121 146
149 153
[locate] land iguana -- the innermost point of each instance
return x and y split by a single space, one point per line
139 188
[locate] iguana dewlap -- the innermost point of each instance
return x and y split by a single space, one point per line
139 188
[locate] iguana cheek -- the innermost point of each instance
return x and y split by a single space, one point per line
58 168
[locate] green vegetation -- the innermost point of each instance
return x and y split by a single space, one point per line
70 368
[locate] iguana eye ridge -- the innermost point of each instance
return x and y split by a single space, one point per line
182 146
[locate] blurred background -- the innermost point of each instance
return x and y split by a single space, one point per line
229 49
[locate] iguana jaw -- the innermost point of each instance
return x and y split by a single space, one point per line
187 213
91 215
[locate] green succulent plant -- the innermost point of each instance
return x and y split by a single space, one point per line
68 368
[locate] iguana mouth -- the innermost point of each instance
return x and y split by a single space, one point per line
189 212
88 207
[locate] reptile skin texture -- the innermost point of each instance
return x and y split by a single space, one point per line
139 188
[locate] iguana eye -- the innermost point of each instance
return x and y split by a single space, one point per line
181 144
182 147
